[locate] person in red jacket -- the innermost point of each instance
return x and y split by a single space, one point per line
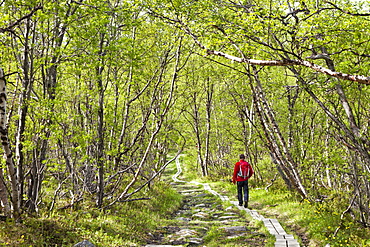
242 172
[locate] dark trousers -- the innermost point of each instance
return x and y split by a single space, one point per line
243 187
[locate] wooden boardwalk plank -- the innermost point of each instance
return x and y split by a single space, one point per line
293 244
280 245
280 241
287 236
274 227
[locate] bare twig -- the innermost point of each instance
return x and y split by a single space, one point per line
135 199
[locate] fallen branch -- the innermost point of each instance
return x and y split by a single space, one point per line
272 182
342 216
136 199
72 204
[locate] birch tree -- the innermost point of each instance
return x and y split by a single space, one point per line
15 169
8 154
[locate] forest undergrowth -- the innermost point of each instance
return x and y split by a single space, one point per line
314 223
125 224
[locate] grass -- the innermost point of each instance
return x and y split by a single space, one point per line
320 222
314 223
126 224
255 236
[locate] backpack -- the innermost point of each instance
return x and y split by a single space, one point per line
245 170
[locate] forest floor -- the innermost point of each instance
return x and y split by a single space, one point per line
203 220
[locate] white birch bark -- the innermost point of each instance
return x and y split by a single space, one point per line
4 194
8 155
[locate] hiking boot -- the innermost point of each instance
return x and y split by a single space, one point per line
240 204
246 204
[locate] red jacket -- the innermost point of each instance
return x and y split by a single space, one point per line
236 178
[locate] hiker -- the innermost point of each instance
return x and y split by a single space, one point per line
242 172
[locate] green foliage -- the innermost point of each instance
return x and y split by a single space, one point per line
123 225
118 52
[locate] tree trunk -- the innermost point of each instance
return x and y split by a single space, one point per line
197 130
208 126
100 127
24 97
15 197
276 141
4 193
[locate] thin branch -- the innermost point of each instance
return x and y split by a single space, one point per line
84 4
220 63
16 23
285 62
345 11
109 179
74 202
